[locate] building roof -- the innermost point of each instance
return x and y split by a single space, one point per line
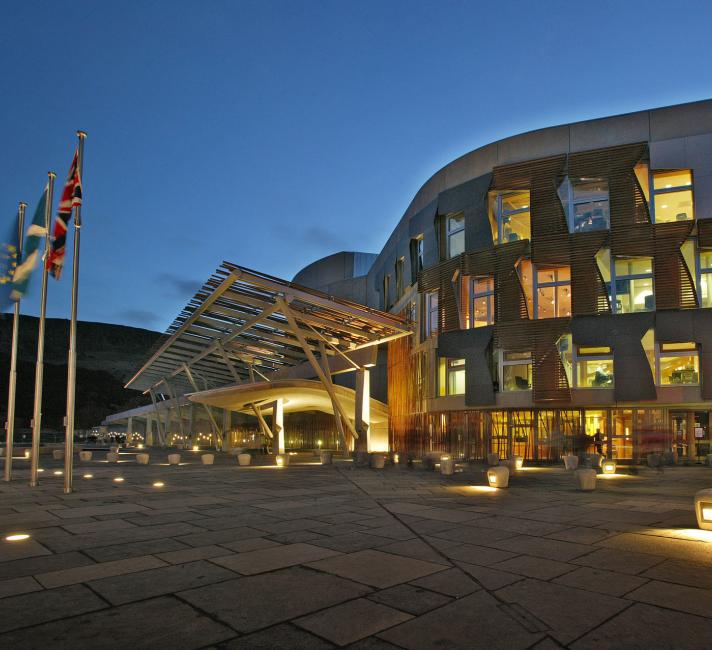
246 325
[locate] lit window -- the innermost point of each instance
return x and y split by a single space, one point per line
525 270
455 231
629 282
672 196
416 257
431 314
678 364
516 371
400 265
482 307
552 293
452 377
594 367
509 216
586 203
705 282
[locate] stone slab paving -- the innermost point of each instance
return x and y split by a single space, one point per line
320 557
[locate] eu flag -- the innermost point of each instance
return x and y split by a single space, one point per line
9 247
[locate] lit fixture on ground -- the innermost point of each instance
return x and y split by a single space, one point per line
518 462
196 448
703 509
158 484
119 479
608 467
17 537
498 477
88 476
57 472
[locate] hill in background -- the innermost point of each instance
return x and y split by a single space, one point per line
107 355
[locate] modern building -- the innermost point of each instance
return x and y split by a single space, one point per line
550 292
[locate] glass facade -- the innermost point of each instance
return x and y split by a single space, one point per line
672 196
510 216
553 292
678 364
455 231
586 203
451 380
482 307
516 371
705 282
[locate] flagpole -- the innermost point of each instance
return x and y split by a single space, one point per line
39 367
10 426
72 363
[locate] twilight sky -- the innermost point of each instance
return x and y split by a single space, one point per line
273 133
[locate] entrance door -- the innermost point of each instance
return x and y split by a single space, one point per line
678 427
702 433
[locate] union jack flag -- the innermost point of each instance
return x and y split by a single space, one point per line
71 197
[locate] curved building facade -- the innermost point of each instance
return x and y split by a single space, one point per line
559 284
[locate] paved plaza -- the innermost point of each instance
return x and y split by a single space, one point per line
316 557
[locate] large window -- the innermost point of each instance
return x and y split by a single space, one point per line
552 294
430 315
705 281
586 203
672 196
451 380
509 216
416 257
594 367
629 281
516 370
678 364
400 267
455 234
482 302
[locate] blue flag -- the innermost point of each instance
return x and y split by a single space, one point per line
31 251
9 247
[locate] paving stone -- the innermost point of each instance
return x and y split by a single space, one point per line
474 534
134 549
97 526
372 643
295 537
580 535
618 561
513 524
692 600
642 627
451 582
690 551
17 586
473 621
11 551
42 564
250 544
568 613
473 554
683 573
410 598
46 605
491 579
97 571
209 537
123 589
376 568
551 549
414 548
351 542
192 554
534 567
251 603
349 622
92 511
279 637
158 623
278 557
603 582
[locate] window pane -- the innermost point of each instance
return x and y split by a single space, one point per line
455 222
674 206
456 362
595 373
666 180
634 295
483 311
515 201
593 189
515 356
706 259
667 347
599 350
633 266
517 377
682 369
706 290
483 285
594 215
456 243
516 227
456 382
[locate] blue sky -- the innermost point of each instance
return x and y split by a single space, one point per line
273 133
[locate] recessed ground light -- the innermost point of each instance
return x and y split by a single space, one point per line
119 479
17 537
58 472
88 476
40 470
158 484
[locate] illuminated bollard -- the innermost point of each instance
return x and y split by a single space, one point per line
143 459
518 462
243 460
498 477
112 457
174 459
378 461
447 465
326 457
703 509
58 454
207 459
571 462
84 455
282 460
608 467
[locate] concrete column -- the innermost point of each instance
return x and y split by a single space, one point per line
148 437
129 429
167 423
278 425
226 426
362 415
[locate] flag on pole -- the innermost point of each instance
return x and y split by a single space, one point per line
31 250
71 198
9 247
